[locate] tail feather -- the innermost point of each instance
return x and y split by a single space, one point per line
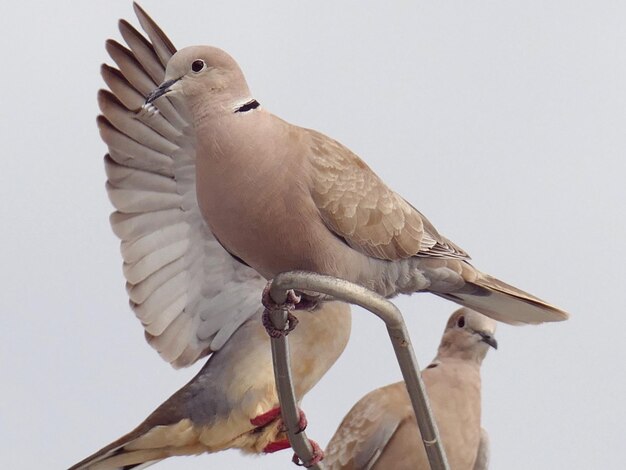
503 302
146 445
115 457
121 456
134 460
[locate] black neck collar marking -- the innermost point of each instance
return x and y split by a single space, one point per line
252 104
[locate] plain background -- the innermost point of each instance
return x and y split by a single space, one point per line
503 122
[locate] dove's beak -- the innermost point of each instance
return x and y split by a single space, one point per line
490 340
163 89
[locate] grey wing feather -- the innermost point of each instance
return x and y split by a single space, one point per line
188 292
372 447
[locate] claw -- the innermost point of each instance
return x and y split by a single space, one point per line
302 423
292 322
269 303
318 456
271 306
269 417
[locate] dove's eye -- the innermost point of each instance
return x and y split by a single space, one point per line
197 65
461 322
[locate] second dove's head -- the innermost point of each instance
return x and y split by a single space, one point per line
204 76
468 334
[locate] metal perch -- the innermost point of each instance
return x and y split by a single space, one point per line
386 311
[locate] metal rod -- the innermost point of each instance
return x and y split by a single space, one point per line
284 386
398 334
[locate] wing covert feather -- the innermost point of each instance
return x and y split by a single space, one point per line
357 205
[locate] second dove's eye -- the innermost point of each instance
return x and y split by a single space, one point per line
197 65
461 322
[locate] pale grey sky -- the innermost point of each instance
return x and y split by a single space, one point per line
503 122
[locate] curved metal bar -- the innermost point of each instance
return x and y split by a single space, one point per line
284 386
386 311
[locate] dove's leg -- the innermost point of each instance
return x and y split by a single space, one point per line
276 446
318 453
271 306
265 418
273 414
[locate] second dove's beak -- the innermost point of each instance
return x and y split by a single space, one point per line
490 340
163 89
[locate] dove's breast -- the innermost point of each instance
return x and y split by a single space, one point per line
254 195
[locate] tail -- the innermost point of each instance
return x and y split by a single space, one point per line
502 302
146 445
116 456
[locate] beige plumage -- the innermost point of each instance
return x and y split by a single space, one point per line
217 408
192 297
380 431
281 197
188 292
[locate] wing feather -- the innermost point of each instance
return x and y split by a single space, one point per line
189 294
365 432
361 209
160 42
141 47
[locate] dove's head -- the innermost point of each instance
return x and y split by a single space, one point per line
468 335
205 78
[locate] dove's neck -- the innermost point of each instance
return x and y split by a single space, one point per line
240 134
246 106
216 105
473 353
463 372
454 387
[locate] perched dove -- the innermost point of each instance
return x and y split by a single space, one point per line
192 296
188 292
232 402
380 431
280 197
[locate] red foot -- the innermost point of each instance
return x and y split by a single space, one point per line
276 446
318 453
265 418
318 456
302 423
269 416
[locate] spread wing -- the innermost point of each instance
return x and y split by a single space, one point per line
188 292
356 205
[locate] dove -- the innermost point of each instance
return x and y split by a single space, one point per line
232 402
280 197
188 292
192 297
381 432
